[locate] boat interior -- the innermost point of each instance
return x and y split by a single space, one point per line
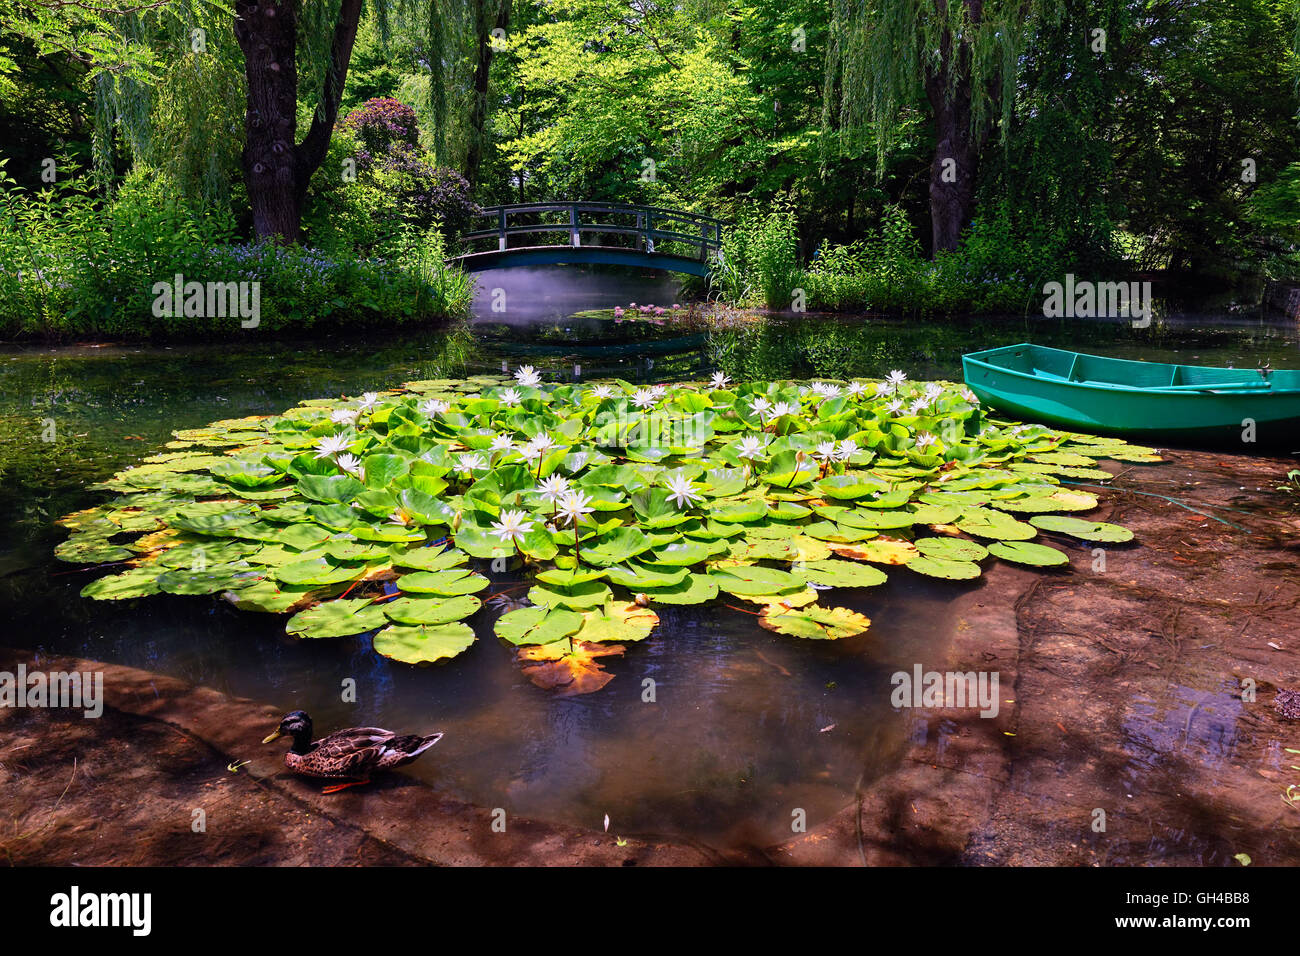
1061 365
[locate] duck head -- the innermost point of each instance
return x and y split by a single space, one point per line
295 724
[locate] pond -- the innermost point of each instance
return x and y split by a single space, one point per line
745 724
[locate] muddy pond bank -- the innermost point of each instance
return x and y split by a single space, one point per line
1125 686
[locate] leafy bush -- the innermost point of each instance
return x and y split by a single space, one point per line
381 124
759 261
72 266
998 268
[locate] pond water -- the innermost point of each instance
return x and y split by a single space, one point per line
745 725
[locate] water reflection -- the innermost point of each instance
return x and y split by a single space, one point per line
735 736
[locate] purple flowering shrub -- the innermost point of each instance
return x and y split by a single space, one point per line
386 153
381 124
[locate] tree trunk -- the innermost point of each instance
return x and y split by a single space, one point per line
276 171
954 168
956 145
482 76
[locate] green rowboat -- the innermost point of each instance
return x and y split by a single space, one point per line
1188 404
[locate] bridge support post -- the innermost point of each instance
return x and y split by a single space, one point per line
501 230
574 238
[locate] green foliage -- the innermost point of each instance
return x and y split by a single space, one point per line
759 262
75 266
996 269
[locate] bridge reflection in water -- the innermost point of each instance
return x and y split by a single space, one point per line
532 234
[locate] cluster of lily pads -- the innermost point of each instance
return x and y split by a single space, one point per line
382 513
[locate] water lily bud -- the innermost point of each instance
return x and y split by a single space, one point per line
455 521
642 599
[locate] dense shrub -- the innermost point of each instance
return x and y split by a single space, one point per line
73 266
998 268
380 124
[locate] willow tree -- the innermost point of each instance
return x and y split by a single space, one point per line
295 54
961 56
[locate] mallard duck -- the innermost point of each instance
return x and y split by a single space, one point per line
352 754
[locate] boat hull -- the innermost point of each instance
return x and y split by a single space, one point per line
1151 413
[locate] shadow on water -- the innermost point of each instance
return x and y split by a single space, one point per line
745 725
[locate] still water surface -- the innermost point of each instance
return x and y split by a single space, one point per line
736 736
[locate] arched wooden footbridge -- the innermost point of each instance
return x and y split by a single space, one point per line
534 234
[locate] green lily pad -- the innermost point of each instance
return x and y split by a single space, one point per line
1082 528
836 573
538 625
617 623
444 583
423 643
695 589
338 618
431 610
1023 552
957 549
954 570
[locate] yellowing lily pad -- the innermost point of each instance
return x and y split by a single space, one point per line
878 550
814 622
617 622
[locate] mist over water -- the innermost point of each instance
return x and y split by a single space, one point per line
525 296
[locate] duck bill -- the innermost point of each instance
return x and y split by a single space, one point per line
275 736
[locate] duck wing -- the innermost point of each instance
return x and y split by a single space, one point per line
354 752
405 748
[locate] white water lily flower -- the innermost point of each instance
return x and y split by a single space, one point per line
434 407
759 405
368 401
895 378
554 488
543 442
644 398
925 440
510 397
659 391
719 380
918 406
602 391
681 491
895 406
933 390
399 517
351 464
856 389
783 408
848 448
472 462
513 526
526 375
344 416
574 507
826 451
751 446
331 445
502 443
826 389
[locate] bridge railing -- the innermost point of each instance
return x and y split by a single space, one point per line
650 228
